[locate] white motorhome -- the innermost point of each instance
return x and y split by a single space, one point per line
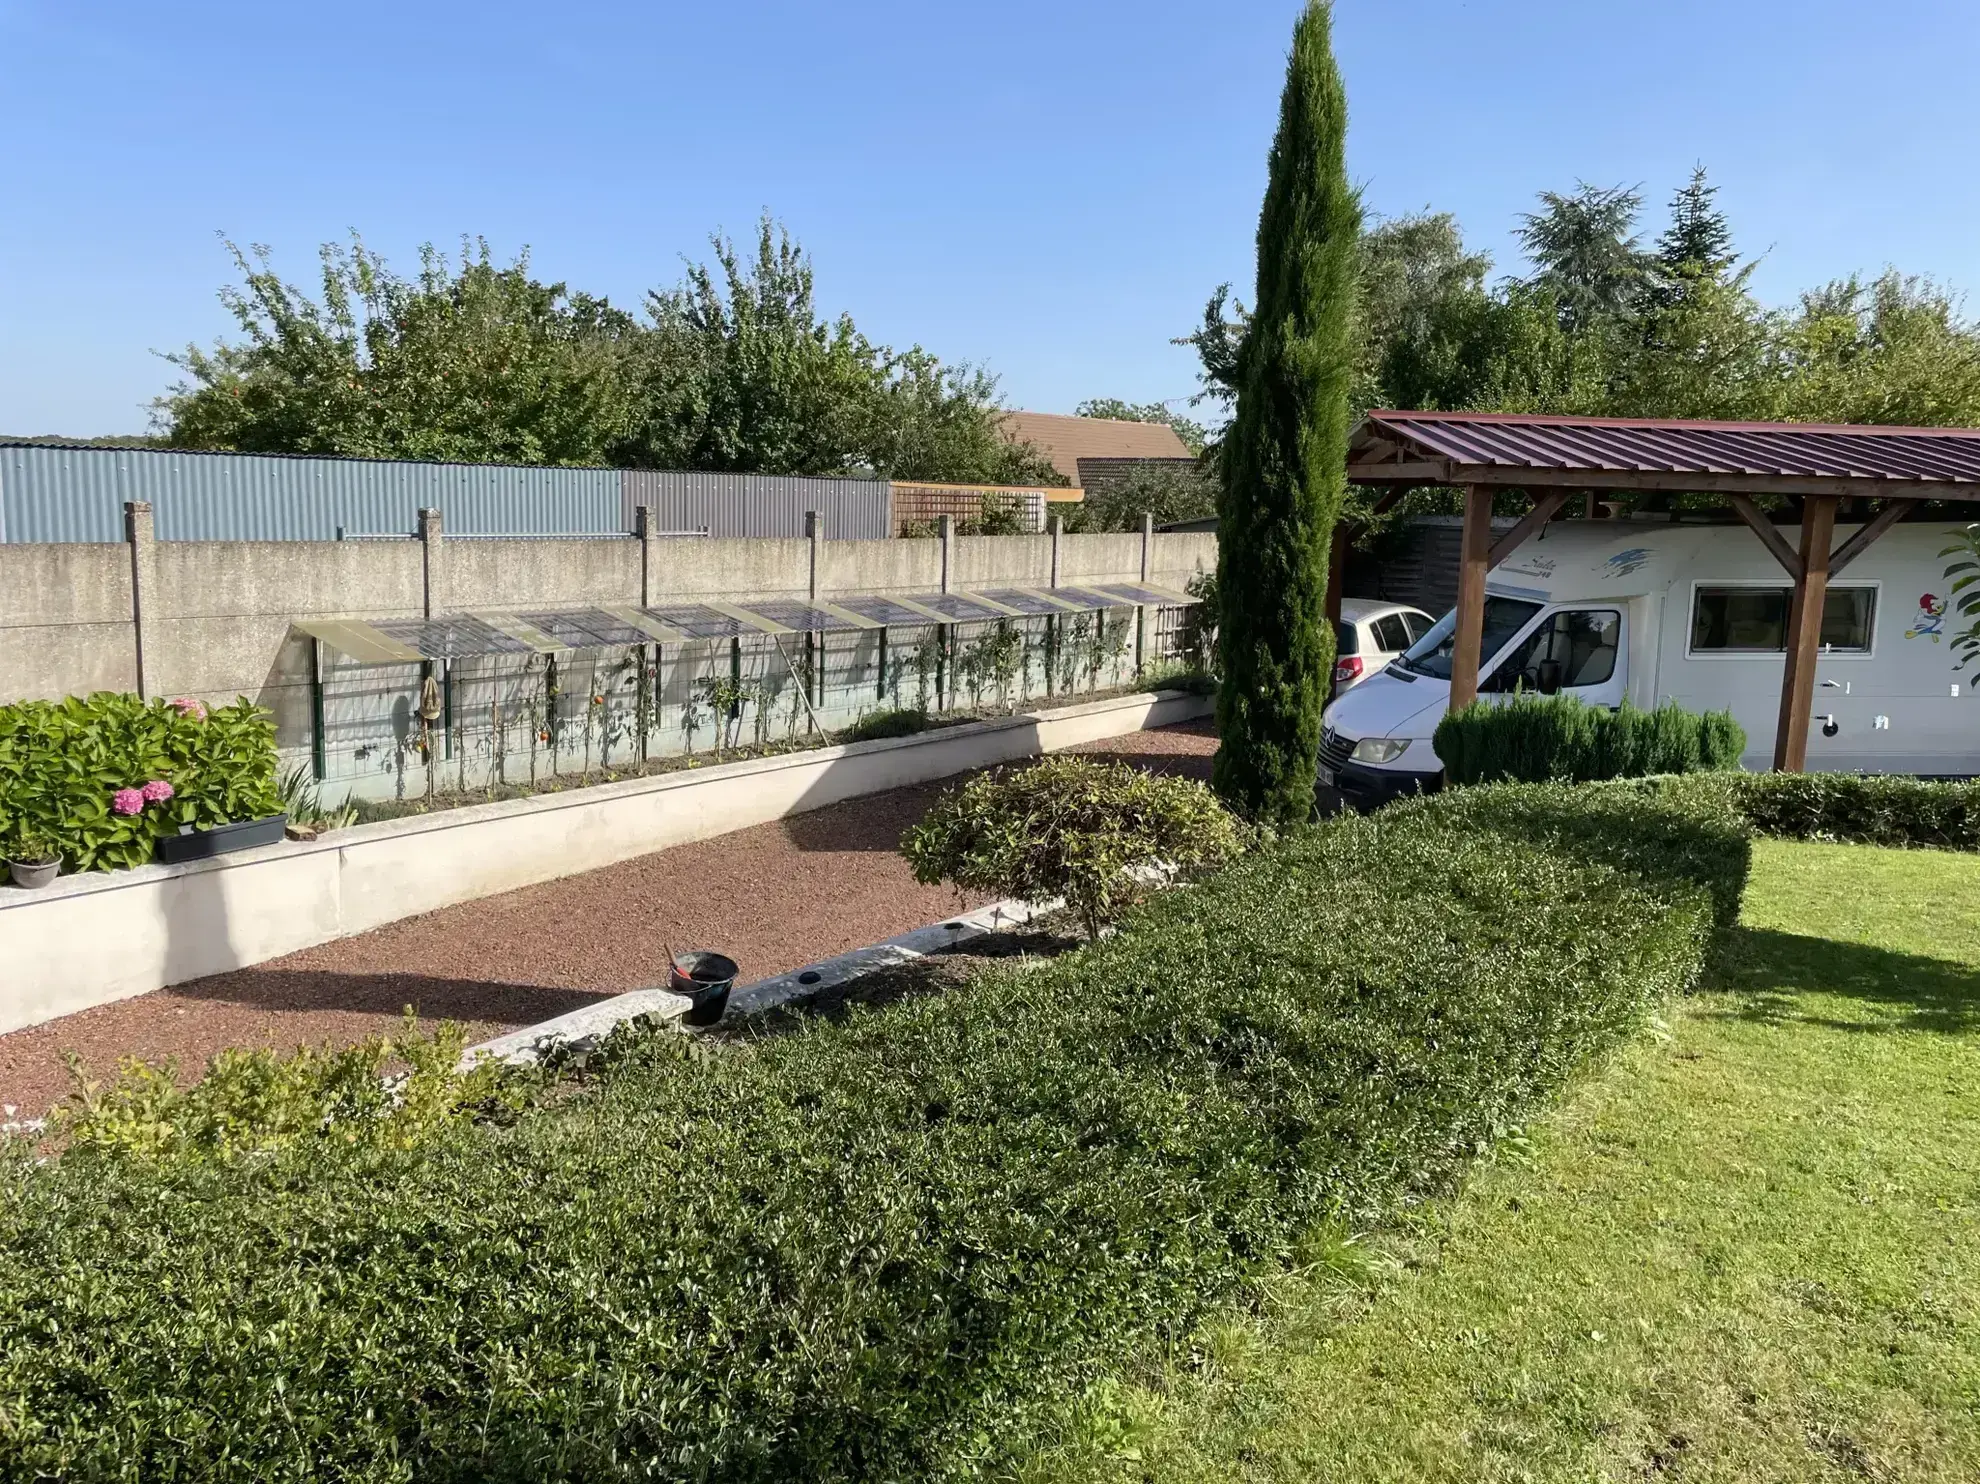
1649 612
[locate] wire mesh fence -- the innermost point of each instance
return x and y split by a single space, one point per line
515 720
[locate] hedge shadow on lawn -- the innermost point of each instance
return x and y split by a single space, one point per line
1931 994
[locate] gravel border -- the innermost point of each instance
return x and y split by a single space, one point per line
776 897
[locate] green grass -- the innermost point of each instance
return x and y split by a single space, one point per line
1749 1250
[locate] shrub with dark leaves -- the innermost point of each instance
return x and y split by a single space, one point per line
1560 739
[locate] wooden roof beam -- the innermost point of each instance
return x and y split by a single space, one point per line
1542 512
1893 512
1513 476
1769 534
1417 472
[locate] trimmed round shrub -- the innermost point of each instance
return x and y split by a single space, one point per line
1093 833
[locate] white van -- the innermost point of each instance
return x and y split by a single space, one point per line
1608 610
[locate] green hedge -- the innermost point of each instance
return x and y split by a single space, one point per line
1559 739
63 764
1867 809
884 1248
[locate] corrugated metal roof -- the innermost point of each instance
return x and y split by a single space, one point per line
1667 453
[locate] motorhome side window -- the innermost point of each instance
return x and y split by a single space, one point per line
1733 620
1573 648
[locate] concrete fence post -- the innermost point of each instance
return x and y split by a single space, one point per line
645 527
948 550
1058 534
814 530
139 534
1144 641
432 565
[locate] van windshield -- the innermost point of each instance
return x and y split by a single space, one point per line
1431 655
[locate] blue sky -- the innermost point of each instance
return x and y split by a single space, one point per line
1049 189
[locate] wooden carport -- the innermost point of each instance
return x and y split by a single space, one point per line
1551 458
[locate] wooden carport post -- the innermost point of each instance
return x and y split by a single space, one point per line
1474 561
1804 633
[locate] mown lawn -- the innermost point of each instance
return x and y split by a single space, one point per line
1748 1250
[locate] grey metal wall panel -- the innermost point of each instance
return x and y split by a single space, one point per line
758 504
78 494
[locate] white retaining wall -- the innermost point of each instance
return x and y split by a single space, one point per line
97 937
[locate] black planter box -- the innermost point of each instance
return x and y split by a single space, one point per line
198 845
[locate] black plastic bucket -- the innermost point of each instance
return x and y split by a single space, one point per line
706 979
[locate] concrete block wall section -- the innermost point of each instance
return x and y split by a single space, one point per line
217 616
65 619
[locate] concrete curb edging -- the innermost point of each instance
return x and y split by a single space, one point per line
97 937
586 1027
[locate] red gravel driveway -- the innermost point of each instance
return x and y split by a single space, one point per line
773 897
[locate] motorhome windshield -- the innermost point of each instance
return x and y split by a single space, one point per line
1431 655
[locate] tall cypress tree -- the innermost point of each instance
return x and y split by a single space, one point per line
1285 458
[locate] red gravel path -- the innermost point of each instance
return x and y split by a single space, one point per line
773 897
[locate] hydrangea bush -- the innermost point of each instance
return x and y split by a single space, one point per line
100 778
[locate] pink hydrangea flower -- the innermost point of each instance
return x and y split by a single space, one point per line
187 706
157 791
127 800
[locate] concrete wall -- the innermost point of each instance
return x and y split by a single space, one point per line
217 622
65 620
98 937
219 612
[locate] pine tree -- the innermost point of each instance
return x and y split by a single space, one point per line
1284 464
1584 252
1699 233
1695 250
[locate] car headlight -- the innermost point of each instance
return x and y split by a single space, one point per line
1379 749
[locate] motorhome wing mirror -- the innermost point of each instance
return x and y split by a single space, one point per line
1548 680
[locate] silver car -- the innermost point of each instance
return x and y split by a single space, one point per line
1369 635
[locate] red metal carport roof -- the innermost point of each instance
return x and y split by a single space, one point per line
1654 453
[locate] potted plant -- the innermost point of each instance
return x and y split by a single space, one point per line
32 859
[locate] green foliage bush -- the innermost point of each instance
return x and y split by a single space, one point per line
1670 842
254 1102
1559 739
886 1248
62 764
1860 808
897 721
1070 827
